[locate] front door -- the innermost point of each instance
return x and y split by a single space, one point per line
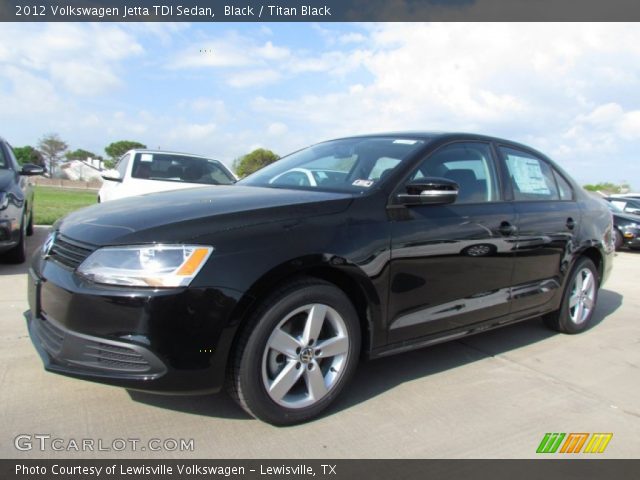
452 265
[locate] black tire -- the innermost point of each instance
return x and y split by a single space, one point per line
30 224
618 239
568 318
251 359
18 254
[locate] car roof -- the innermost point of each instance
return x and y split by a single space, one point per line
440 135
149 150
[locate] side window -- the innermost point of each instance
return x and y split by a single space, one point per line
121 167
468 164
565 190
531 177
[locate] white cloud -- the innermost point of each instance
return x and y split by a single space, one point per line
251 78
82 58
193 131
277 129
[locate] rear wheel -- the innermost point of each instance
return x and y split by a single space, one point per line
579 299
296 354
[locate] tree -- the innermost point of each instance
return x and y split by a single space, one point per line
52 147
116 149
607 187
81 154
28 154
254 161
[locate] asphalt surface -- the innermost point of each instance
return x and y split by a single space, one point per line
494 395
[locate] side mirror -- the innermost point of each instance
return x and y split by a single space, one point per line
430 191
31 169
112 176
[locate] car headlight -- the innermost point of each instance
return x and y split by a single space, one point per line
633 225
146 265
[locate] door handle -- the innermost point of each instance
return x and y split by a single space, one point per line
571 223
507 229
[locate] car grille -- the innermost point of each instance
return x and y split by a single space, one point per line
51 337
74 349
68 252
113 357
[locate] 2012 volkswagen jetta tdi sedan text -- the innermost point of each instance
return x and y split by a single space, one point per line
278 285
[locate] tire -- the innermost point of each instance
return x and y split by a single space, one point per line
29 230
578 300
618 239
18 254
279 372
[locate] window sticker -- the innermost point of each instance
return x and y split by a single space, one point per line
405 141
362 183
527 174
146 157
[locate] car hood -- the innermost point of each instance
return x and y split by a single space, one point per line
627 217
6 177
188 214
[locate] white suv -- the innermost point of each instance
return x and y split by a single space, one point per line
146 171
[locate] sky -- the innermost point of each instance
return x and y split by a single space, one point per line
569 90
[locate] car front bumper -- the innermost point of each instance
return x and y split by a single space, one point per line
631 237
164 340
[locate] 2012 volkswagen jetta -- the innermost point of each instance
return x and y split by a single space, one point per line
278 285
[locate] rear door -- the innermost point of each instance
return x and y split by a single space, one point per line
451 265
548 220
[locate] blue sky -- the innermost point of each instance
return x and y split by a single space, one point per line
570 90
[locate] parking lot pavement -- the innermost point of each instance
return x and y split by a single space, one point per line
493 395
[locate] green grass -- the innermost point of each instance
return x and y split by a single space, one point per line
53 203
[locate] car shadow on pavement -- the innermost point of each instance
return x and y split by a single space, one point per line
376 377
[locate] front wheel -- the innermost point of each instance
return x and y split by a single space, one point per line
296 354
578 301
618 239
18 254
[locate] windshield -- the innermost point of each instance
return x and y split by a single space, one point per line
172 167
3 162
348 165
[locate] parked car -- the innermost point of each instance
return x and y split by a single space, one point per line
277 291
626 231
628 205
147 171
16 204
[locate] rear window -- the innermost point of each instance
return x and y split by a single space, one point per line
531 177
180 168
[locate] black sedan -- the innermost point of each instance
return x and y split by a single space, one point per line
276 290
626 228
16 204
626 204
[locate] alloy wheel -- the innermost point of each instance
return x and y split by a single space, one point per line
582 298
305 356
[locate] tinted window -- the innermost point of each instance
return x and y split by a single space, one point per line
349 165
469 165
565 190
179 168
531 177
